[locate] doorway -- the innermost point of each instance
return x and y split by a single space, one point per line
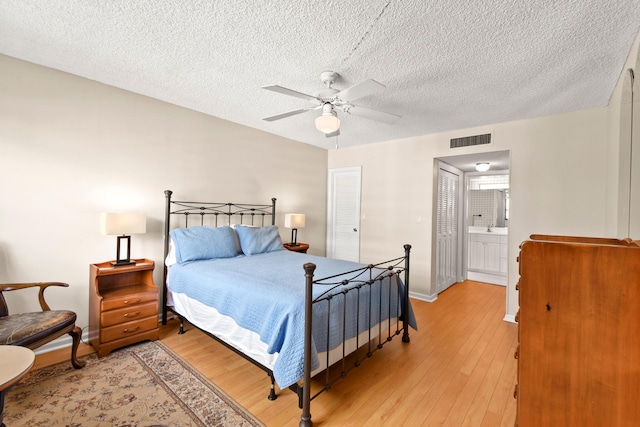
466 164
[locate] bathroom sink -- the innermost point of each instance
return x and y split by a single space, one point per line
503 231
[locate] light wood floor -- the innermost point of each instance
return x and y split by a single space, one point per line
458 370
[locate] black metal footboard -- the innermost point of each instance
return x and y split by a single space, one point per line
361 281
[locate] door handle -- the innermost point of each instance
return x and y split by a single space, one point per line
355 229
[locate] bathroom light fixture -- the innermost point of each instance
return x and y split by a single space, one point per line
482 167
328 122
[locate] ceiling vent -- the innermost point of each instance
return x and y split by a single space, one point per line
468 141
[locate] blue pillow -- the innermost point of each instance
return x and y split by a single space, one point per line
201 242
258 240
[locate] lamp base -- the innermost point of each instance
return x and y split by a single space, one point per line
126 260
293 244
294 237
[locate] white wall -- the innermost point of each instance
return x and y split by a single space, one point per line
558 186
622 160
71 148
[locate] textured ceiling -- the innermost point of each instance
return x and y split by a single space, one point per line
447 64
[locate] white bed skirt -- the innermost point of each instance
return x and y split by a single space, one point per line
224 327
248 342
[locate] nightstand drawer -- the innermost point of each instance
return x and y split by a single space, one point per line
128 329
128 300
128 314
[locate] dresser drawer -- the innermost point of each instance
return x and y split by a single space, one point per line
128 300
128 329
128 314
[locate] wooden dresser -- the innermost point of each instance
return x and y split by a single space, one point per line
123 305
579 332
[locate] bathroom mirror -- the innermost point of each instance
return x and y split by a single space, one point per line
488 200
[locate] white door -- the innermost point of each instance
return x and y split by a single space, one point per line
343 216
447 257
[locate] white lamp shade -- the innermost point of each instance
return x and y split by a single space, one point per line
294 220
327 123
123 223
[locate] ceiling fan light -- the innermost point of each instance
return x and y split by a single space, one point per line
482 167
327 123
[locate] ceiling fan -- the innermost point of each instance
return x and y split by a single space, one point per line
329 100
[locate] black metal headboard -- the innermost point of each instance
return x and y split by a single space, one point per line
249 214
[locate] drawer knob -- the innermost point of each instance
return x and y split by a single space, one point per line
128 330
132 301
132 314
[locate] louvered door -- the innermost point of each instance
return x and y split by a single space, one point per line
447 229
343 216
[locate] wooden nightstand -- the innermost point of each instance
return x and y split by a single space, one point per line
123 305
301 247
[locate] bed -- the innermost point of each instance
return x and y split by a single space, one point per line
228 274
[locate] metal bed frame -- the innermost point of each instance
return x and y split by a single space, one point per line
252 214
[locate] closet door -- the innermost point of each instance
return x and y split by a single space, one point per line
343 216
447 227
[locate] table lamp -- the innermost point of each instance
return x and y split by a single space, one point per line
294 221
122 225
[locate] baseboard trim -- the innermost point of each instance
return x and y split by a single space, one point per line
509 318
423 297
60 343
493 279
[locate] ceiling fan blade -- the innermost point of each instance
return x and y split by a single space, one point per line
336 133
368 113
290 92
288 114
367 87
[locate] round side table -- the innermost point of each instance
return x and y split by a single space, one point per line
15 362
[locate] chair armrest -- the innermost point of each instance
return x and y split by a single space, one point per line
41 285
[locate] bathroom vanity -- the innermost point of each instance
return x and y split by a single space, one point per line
487 255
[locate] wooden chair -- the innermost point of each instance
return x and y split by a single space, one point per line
34 329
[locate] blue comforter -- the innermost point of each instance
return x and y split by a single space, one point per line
265 294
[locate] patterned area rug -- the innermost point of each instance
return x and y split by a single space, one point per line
142 385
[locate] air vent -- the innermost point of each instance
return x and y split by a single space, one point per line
468 141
